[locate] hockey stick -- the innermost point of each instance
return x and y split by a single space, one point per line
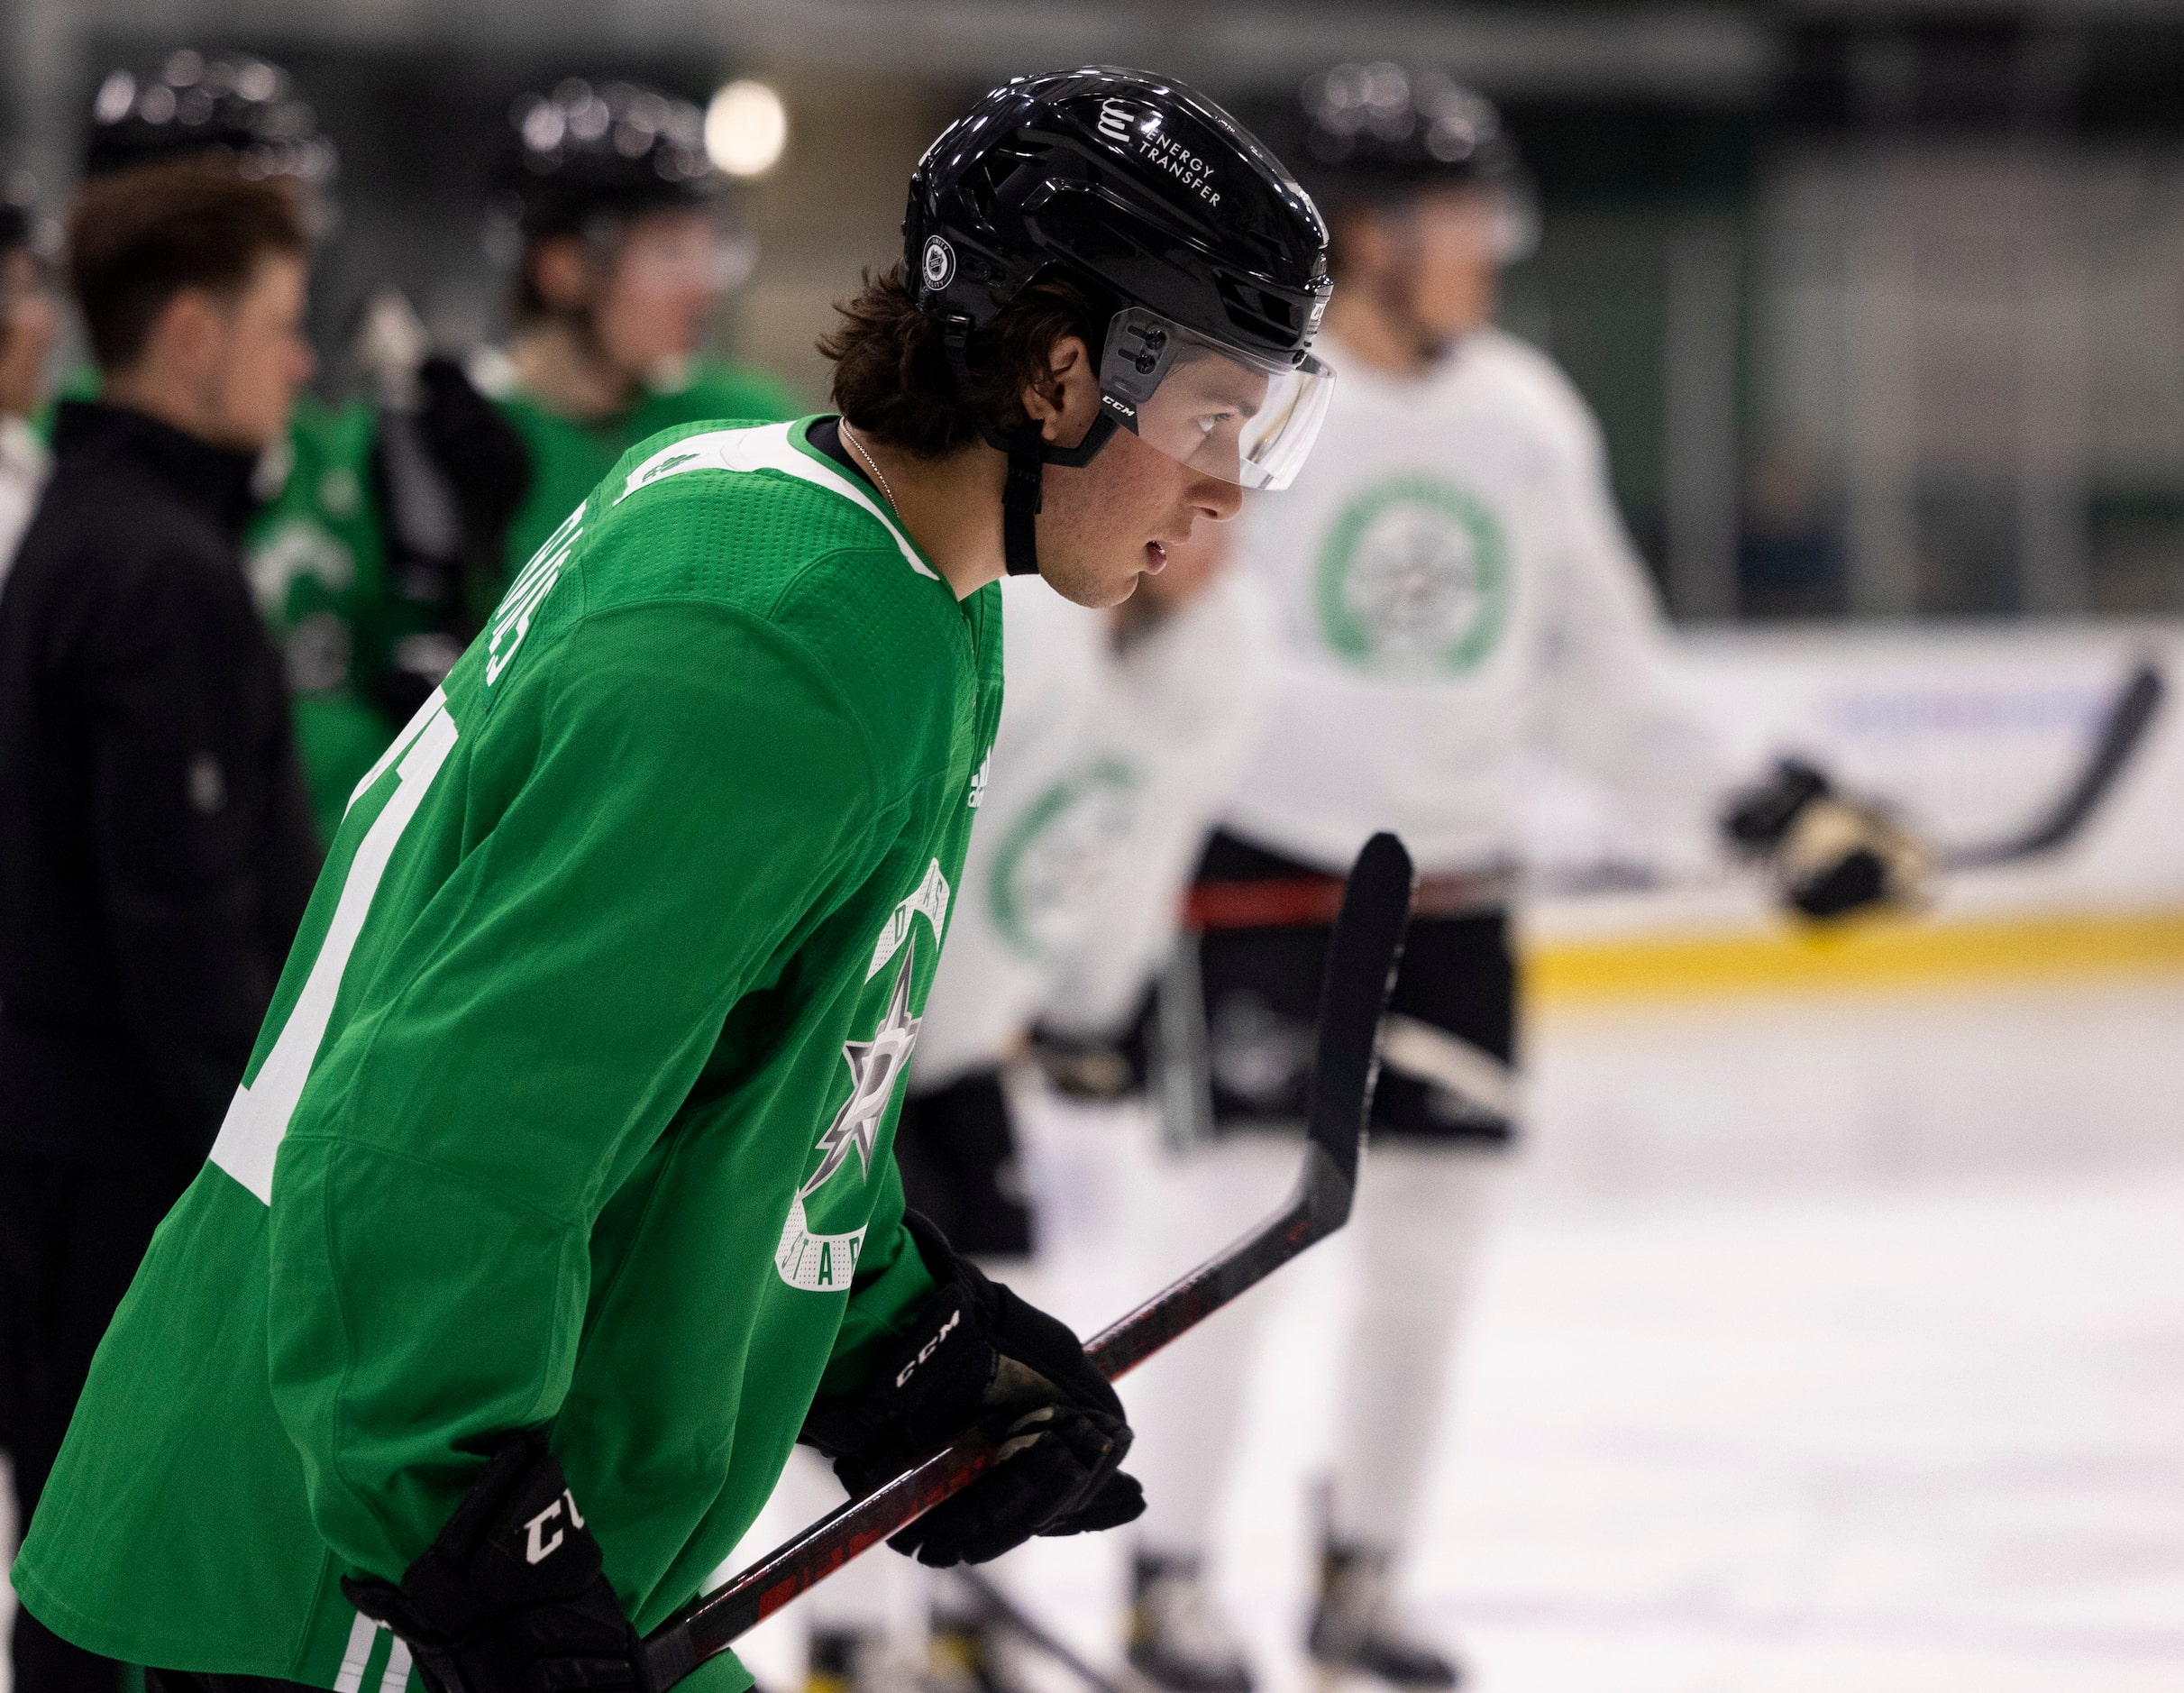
1353 992
1311 900
1412 1046
2128 719
1021 1621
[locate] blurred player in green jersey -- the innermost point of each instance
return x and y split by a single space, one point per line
627 246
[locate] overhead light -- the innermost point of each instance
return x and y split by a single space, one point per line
745 128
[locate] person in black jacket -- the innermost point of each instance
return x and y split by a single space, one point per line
156 842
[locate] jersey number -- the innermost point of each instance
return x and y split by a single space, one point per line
258 1117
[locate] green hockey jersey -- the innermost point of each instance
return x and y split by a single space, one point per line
576 1102
318 561
569 455
318 569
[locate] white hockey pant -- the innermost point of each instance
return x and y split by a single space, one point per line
1420 1216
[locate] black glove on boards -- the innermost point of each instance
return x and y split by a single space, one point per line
976 1355
512 1596
1829 856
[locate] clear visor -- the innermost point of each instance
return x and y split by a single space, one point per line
1233 415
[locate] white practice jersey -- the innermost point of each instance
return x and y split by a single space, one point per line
25 465
1108 771
1454 588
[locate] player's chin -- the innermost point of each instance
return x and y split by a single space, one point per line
1108 581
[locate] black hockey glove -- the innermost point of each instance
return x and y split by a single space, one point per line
449 473
1830 855
979 1355
484 455
512 1596
1099 1067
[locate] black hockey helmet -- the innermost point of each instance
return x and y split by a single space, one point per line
618 150
197 104
1380 132
1209 257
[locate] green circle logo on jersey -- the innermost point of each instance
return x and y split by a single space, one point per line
1413 577
1051 852
297 550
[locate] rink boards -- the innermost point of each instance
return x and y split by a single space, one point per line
1969 731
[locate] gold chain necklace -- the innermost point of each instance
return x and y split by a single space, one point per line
857 447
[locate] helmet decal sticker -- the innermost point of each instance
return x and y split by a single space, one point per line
938 265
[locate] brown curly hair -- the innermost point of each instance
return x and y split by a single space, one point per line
892 377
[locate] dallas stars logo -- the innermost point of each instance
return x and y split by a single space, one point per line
874 1067
827 1263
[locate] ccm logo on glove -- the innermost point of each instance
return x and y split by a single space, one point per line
928 1349
990 1362
512 1596
535 1551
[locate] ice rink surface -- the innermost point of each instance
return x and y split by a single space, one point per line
1820 1345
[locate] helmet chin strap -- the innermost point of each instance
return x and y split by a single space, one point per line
1396 296
1028 452
1022 495
601 237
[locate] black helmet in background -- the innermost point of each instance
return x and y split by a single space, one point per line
199 103
1208 260
617 148
582 158
1379 133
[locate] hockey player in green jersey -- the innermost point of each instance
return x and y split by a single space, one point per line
625 250
558 1199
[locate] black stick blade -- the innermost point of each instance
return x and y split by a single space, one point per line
2129 718
1361 961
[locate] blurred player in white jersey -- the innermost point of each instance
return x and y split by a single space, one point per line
1122 733
1454 588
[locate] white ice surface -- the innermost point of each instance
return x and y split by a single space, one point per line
1823 1346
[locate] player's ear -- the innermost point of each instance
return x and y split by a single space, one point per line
1066 399
188 334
